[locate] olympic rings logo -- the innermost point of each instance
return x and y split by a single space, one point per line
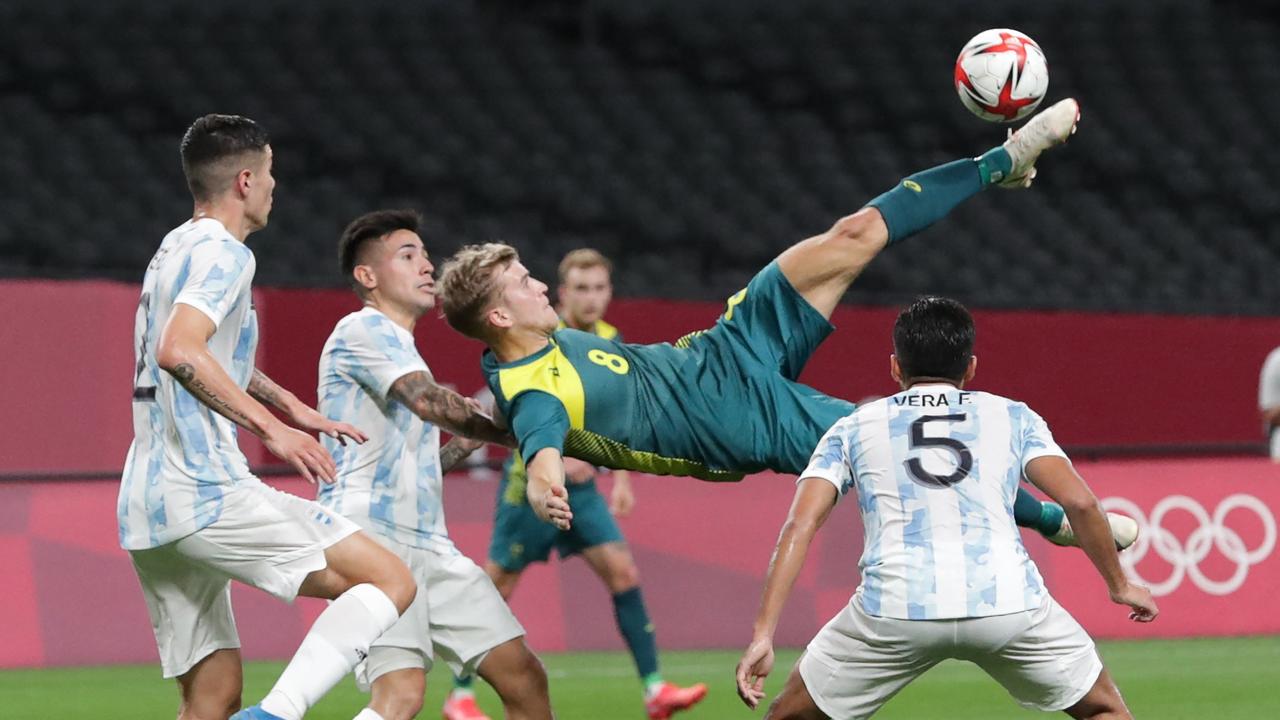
1212 533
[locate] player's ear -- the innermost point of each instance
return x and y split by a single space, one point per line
498 317
365 276
972 368
895 370
244 179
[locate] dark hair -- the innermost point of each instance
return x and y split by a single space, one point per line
371 226
211 140
933 337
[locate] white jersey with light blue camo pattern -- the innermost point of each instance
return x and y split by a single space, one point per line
391 484
936 470
184 454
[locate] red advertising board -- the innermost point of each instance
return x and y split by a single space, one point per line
1207 548
1210 554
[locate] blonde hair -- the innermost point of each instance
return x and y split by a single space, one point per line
467 284
583 258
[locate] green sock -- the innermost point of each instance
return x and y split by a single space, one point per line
1043 517
462 685
926 197
637 630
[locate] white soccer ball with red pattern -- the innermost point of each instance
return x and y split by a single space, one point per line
1001 75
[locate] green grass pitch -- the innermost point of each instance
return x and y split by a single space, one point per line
1222 679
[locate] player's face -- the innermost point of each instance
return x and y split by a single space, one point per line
402 271
585 295
257 202
522 301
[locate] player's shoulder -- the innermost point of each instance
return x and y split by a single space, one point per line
369 326
1019 412
207 235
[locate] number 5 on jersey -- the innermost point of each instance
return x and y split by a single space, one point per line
964 458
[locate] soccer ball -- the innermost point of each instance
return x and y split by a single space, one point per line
1001 75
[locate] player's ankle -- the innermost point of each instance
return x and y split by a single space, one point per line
994 165
652 682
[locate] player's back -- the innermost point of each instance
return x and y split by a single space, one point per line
182 450
936 470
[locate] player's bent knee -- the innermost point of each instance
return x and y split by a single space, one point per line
389 574
399 586
401 706
398 694
861 232
625 577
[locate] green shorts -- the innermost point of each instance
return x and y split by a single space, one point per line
753 356
772 324
520 538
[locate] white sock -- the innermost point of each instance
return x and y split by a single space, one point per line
368 714
338 640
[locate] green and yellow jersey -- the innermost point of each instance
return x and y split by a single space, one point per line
512 490
715 406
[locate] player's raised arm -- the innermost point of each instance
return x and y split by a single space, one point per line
1058 479
439 405
267 391
814 499
545 488
183 352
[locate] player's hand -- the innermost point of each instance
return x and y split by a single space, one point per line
303 452
552 505
753 668
1138 598
578 471
622 499
312 420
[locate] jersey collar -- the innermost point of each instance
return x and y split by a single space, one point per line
490 361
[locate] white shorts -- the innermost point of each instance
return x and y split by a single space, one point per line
858 661
457 615
265 538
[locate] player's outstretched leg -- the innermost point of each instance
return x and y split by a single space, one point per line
370 588
1049 519
822 267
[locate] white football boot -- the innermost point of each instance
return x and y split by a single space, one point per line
1124 530
1047 128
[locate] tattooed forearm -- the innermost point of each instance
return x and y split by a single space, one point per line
447 409
186 375
264 389
452 455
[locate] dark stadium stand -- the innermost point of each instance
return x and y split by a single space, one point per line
690 139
